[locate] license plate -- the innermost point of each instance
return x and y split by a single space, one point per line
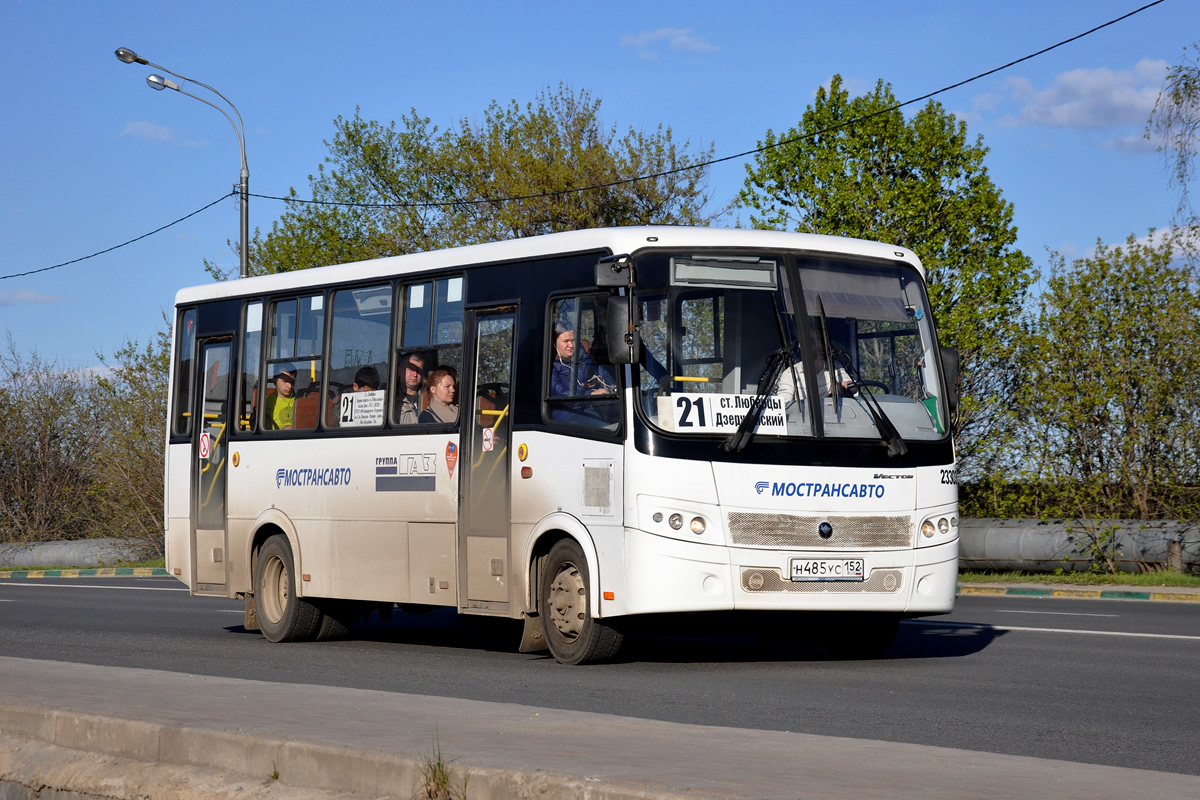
828 569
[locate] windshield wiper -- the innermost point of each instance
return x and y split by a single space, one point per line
896 446
777 362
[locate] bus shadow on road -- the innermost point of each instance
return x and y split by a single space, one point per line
925 639
745 640
686 638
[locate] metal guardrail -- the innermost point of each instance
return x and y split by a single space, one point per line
1032 545
74 553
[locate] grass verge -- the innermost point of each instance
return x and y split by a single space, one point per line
1163 578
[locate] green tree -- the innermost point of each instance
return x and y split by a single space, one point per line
129 408
45 449
408 187
1110 400
857 167
1175 124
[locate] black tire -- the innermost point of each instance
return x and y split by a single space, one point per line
338 617
573 635
282 616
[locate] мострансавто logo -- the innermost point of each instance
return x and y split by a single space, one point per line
321 476
784 489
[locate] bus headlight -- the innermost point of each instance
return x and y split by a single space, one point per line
698 525
943 525
927 529
676 521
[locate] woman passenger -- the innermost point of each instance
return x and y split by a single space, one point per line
439 398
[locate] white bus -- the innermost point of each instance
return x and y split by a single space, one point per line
650 421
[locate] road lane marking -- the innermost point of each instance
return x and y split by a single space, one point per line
1056 613
981 627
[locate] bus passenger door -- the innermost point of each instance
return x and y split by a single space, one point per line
209 452
484 564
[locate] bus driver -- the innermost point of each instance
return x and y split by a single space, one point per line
590 379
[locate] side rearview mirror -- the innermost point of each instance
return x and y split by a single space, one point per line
614 271
950 371
621 335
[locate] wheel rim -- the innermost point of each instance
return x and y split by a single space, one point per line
274 589
568 601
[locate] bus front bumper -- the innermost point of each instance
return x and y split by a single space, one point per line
670 575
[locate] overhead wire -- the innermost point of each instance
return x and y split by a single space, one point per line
122 244
735 156
623 181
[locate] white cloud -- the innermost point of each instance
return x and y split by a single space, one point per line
26 296
1134 145
157 133
148 130
678 39
1161 234
1091 98
981 105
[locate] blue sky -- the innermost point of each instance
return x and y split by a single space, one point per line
94 158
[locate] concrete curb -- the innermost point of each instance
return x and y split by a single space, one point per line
102 572
1175 595
301 765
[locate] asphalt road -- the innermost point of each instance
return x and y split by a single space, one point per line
1092 681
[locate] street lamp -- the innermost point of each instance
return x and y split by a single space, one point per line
158 83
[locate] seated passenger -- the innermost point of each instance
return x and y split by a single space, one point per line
366 379
280 407
411 375
439 398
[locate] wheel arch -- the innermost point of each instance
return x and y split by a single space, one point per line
549 531
269 523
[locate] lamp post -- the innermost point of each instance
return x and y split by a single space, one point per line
158 83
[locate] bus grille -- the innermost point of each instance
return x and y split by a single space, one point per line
800 532
767 579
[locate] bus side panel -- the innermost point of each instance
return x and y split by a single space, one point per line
178 512
374 516
580 478
670 570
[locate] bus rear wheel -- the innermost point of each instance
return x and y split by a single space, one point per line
573 635
282 616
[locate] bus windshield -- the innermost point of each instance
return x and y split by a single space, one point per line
849 345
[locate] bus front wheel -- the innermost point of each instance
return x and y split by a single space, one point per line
282 616
573 635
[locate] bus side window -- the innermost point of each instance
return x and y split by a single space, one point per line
296 342
580 391
185 347
429 339
360 329
248 389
